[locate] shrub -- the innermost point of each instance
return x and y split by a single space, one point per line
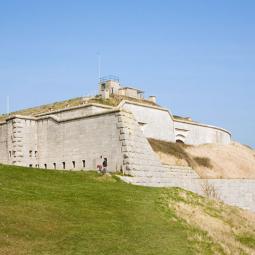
203 161
247 239
210 191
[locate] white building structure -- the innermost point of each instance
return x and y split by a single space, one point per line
78 137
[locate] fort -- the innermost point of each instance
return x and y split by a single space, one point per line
116 124
76 135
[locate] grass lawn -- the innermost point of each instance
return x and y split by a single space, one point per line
61 212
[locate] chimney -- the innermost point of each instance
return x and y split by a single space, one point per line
153 99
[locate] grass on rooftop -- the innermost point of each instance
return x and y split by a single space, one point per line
79 101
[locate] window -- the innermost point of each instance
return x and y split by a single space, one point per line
64 165
54 165
14 153
36 154
45 166
30 153
30 165
83 163
10 154
73 164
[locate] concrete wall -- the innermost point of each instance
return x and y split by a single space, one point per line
3 144
110 85
29 137
155 123
192 133
129 92
77 140
138 157
45 141
20 136
78 112
88 132
237 192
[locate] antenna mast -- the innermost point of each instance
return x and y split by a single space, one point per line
99 66
7 105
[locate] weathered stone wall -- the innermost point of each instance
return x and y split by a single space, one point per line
234 192
195 133
237 192
20 136
76 112
155 122
30 148
3 144
47 142
158 123
79 139
15 139
139 158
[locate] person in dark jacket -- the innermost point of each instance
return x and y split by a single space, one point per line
105 164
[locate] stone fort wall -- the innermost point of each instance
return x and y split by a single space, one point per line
76 138
196 133
3 144
75 143
158 123
155 122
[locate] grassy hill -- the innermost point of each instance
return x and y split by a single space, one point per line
57 212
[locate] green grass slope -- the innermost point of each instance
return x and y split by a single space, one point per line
56 212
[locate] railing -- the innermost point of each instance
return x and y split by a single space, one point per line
109 78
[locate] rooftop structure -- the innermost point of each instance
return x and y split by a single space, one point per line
110 85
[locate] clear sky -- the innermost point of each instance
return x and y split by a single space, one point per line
196 56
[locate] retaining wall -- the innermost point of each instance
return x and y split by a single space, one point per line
236 192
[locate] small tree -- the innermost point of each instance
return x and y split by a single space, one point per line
210 191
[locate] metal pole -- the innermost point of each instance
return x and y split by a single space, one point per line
7 105
99 67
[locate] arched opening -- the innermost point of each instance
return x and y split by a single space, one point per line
180 138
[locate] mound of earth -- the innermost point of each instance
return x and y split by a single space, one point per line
209 160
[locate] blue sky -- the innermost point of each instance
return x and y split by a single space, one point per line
197 57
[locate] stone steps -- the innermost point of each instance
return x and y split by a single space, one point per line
182 172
